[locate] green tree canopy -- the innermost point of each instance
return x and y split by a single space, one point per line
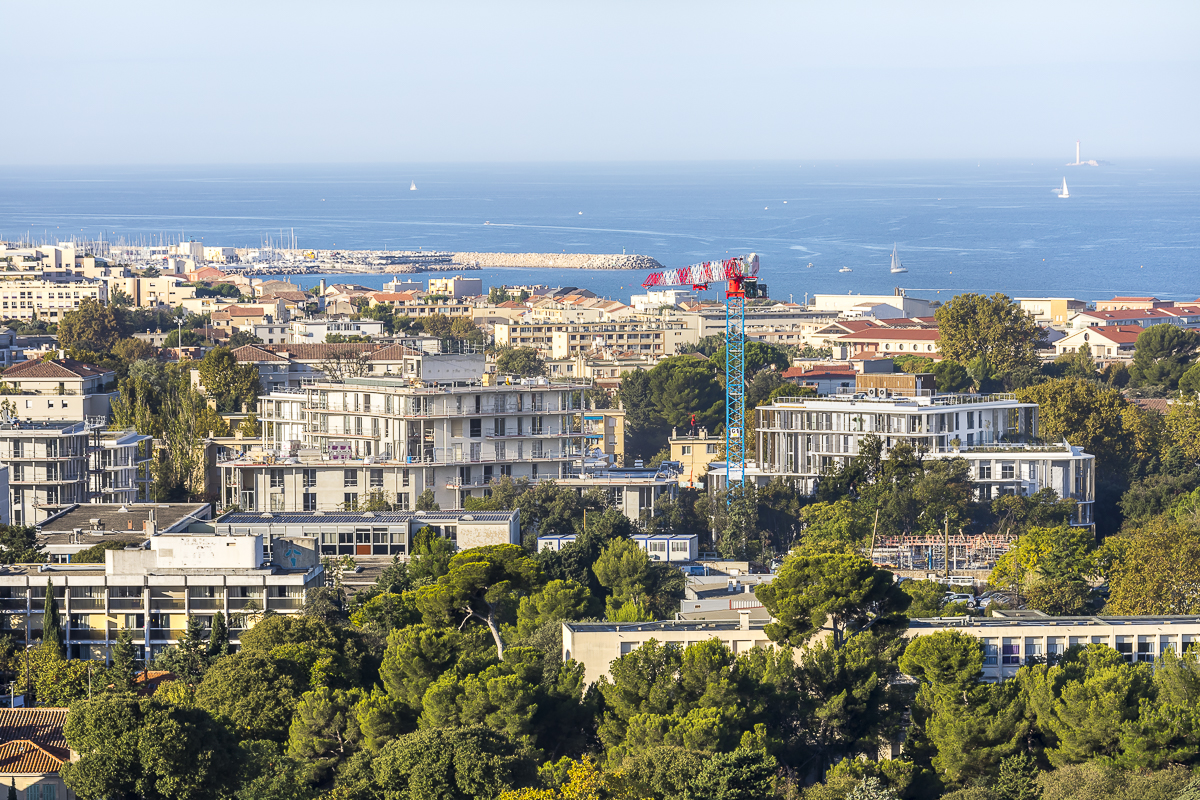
473 763
481 584
231 384
973 325
92 325
1162 355
841 592
522 361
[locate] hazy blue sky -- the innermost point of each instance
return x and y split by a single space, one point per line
145 83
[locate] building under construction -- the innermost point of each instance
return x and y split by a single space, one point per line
942 553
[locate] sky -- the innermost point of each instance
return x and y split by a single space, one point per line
402 82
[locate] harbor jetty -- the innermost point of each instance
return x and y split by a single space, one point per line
385 262
557 260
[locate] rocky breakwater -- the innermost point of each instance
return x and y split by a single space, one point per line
557 260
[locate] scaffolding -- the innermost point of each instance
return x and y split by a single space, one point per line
942 553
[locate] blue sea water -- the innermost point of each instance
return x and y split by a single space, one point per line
1127 228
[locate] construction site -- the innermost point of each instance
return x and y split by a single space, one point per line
962 554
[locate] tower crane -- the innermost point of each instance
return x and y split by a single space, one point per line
740 276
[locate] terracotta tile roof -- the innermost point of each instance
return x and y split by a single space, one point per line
320 351
33 740
244 311
288 296
1118 334
1130 313
1159 405
148 681
56 368
254 353
1121 299
893 334
393 352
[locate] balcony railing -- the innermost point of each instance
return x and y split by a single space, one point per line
163 634
126 604
87 604
160 604
284 602
207 603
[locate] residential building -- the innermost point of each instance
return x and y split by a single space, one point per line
596 645
709 320
28 299
562 340
378 535
370 435
456 287
842 303
11 348
1104 341
85 525
799 439
657 299
660 547
1127 303
893 341
409 304
151 589
120 463
1051 310
822 380
634 491
315 331
33 751
165 290
273 332
604 433
604 369
295 365
694 451
1187 316
1012 639
220 255
58 389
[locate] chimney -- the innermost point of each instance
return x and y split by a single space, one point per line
152 524
744 618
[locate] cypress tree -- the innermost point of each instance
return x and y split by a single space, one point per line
124 657
218 640
52 634
12 790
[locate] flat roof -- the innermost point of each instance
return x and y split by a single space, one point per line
673 625
123 518
1046 620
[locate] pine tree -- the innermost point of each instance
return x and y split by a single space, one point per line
12 790
1018 778
124 657
52 635
218 640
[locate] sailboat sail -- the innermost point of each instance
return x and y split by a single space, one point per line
896 265
1064 192
413 188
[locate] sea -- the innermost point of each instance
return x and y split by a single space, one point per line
1127 228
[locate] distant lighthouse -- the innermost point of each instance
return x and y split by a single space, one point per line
1077 152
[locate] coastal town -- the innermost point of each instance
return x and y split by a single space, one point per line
281 504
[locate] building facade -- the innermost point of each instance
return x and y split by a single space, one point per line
799 439
336 446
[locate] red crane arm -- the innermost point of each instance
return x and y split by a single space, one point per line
698 276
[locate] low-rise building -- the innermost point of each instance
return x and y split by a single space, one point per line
378 534
315 331
694 451
32 298
1103 342
1185 316
888 341
634 491
1051 310
456 286
596 645
58 389
151 589
1012 639
33 751
85 525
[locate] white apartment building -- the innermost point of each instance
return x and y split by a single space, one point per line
799 439
56 464
655 299
333 446
567 340
315 331
455 287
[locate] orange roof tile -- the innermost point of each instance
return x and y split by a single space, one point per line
55 368
42 730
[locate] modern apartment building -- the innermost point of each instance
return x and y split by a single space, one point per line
58 389
333 446
567 340
799 439
56 464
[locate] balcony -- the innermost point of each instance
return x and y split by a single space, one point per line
165 634
87 635
161 604
87 603
207 603
242 603
278 603
14 604
126 604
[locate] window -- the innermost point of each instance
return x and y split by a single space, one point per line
404 478
1011 654
1007 471
276 479
349 477
991 652
1145 650
350 500
310 501
1125 647
310 478
679 547
1033 472
1054 646
476 427
710 449
985 470
1033 648
41 791
403 501
970 419
657 547
686 450
376 477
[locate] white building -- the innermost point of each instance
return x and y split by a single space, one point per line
799 439
842 303
315 331
456 287
656 299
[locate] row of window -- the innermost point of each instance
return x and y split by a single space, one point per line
1013 651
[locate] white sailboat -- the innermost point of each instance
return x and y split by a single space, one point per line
413 188
1064 192
845 269
896 265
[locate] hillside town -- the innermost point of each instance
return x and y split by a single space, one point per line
343 528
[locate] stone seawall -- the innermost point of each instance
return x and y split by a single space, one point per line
559 260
